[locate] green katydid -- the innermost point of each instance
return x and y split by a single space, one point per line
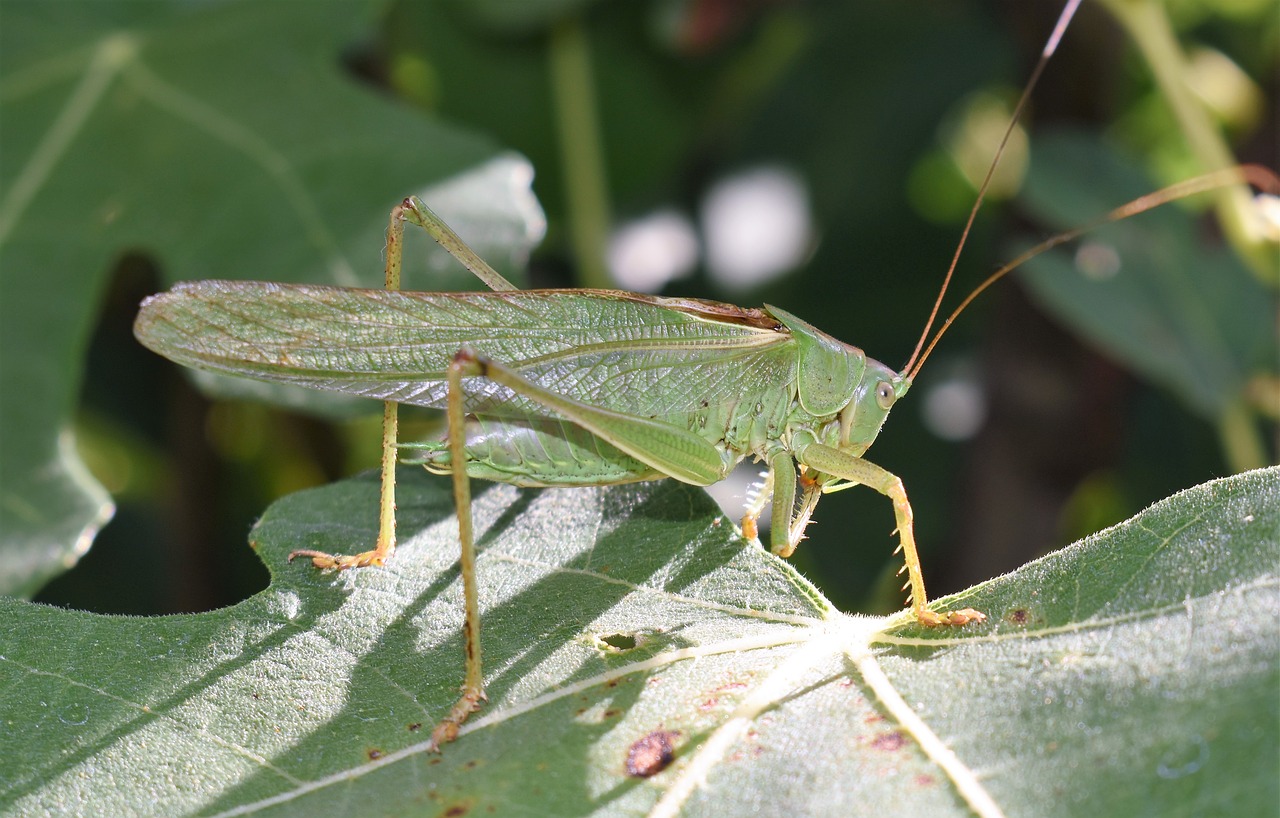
573 388
561 388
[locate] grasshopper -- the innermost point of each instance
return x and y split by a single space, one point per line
578 387
560 388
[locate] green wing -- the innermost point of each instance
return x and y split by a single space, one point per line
642 355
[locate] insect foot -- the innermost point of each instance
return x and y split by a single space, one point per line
964 616
447 730
339 562
386 544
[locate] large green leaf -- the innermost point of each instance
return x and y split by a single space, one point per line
220 140
1134 673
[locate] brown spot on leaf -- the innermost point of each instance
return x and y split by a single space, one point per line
1019 616
455 811
374 754
652 754
731 687
415 727
889 742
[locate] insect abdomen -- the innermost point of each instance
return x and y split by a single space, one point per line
536 452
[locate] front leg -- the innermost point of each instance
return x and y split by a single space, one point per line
786 524
845 466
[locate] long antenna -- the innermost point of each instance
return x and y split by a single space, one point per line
1064 19
1256 175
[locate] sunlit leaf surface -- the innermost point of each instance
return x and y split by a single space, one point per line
1134 673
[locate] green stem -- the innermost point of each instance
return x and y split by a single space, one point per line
581 153
1242 444
1148 25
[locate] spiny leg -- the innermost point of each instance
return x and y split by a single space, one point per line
386 542
790 521
786 524
847 467
755 507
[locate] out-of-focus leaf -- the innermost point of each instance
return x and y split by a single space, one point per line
648 102
523 17
1150 291
222 140
1134 673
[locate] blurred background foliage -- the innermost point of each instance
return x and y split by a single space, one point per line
815 155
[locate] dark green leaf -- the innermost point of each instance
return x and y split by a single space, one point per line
1134 673
1146 290
522 17
218 140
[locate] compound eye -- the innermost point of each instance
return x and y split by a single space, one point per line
885 396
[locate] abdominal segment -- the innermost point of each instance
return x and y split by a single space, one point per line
533 452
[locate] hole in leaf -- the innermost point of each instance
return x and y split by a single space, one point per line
618 641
